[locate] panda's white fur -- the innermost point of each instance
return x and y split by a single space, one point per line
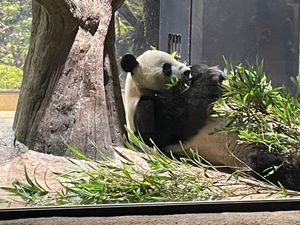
218 148
148 75
206 141
131 98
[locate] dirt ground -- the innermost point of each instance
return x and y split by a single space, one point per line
13 159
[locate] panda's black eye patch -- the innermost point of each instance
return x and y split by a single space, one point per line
167 69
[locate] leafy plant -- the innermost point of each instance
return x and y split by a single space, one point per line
296 82
14 40
173 82
165 179
14 31
161 178
259 112
10 77
30 192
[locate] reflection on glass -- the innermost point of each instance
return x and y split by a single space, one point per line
212 115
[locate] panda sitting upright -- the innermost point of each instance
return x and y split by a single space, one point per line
170 116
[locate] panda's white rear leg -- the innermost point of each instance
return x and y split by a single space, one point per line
224 149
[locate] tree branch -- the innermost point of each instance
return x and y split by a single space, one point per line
83 13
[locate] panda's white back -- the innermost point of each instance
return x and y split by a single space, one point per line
213 146
131 99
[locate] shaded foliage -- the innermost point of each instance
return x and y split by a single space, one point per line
10 77
14 31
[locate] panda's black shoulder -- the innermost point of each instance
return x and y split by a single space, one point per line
177 114
184 111
152 119
188 108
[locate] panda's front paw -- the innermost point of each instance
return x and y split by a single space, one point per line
216 73
204 76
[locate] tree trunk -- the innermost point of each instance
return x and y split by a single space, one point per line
151 19
70 91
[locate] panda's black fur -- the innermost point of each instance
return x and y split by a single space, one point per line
176 114
169 116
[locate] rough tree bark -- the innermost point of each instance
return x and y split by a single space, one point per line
70 91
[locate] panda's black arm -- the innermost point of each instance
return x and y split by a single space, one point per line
144 118
154 120
173 115
179 117
182 113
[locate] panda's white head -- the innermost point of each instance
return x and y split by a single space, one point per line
153 69
150 71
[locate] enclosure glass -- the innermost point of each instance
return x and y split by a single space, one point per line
237 87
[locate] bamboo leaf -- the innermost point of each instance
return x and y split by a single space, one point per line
78 153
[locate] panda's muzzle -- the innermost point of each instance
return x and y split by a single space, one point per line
187 73
186 76
185 80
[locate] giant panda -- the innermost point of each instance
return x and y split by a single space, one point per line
147 74
177 119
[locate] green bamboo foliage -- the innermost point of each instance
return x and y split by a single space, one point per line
258 111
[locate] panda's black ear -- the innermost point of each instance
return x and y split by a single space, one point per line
128 63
